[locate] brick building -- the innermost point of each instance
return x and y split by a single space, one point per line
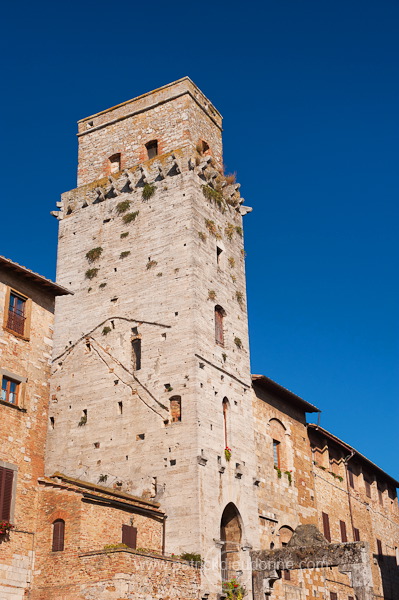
156 434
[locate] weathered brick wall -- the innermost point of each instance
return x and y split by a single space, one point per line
22 432
176 115
114 575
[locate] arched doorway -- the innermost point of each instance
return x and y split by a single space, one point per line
230 535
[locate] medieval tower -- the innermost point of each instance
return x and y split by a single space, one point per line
151 387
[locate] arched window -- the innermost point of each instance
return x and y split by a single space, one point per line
204 146
115 163
230 536
136 354
225 405
277 433
58 535
219 316
285 534
152 148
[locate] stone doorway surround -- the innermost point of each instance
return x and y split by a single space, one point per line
309 549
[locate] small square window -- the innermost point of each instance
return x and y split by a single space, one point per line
9 390
152 148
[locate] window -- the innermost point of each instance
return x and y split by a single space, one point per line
129 536
136 354
333 596
175 409
152 148
356 535
225 405
326 526
342 527
334 459
276 453
6 489
9 390
114 163
58 535
16 313
219 334
204 146
218 254
379 548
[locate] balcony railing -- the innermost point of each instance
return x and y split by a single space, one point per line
16 322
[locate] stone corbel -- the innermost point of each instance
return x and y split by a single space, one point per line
143 176
174 168
244 210
129 180
113 189
100 195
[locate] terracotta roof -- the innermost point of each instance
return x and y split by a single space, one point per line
350 449
101 492
274 387
57 290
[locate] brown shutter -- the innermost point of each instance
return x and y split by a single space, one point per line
333 596
6 481
326 526
379 547
129 536
342 527
350 477
356 535
58 535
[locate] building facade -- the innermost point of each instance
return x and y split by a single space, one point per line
155 442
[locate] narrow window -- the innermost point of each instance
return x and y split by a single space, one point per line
175 409
58 535
219 334
379 548
136 354
397 555
326 526
342 526
204 146
356 535
225 405
129 536
120 406
9 390
287 575
6 484
115 163
152 148
333 596
16 313
276 453
218 254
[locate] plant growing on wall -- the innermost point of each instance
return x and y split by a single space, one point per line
91 273
106 330
122 207
229 230
102 285
289 476
211 227
232 262
238 342
230 178
5 527
148 191
124 235
102 478
240 298
234 590
82 421
94 254
227 453
215 196
192 557
211 295
150 264
202 236
239 231
130 217
278 471
124 254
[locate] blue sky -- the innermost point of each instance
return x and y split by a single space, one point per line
309 93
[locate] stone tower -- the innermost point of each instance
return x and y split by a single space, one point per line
151 359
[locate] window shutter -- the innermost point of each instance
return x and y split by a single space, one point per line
342 527
58 535
333 596
356 535
350 476
326 527
129 536
6 481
